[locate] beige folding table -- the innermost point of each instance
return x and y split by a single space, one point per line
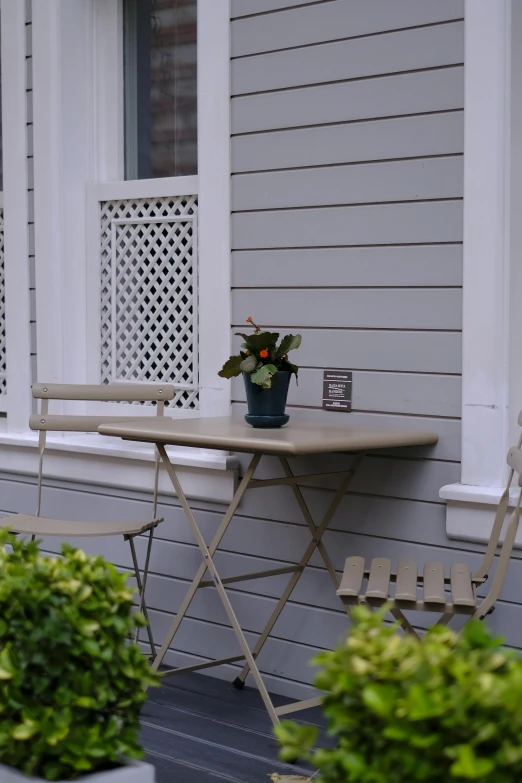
233 434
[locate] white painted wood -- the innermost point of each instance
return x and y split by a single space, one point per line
85 460
64 143
334 20
162 187
108 89
515 225
414 265
15 206
388 96
376 308
486 244
406 50
130 772
401 351
405 180
399 137
385 224
214 202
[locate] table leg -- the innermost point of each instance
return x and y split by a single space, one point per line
209 564
316 543
212 548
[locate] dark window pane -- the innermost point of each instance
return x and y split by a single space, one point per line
160 88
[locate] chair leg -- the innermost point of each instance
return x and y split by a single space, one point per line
407 626
142 585
444 619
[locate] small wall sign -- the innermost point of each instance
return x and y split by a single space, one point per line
337 390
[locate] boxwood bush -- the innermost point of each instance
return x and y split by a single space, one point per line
71 683
445 708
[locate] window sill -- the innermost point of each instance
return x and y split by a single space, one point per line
470 511
93 459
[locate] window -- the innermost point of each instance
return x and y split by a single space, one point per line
160 75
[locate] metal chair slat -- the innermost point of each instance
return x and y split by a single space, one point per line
434 592
407 576
379 579
461 586
353 575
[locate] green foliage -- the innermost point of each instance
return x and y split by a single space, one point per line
263 375
445 708
71 683
261 356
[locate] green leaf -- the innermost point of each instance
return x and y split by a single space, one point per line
256 342
263 376
231 368
289 343
470 766
248 364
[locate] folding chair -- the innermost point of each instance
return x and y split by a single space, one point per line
25 524
432 590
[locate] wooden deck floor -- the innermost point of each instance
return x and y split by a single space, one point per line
197 729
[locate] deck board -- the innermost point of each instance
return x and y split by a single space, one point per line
198 728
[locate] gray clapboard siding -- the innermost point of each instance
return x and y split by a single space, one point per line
416 266
388 96
438 395
407 50
338 19
251 7
361 183
386 224
379 308
408 351
403 137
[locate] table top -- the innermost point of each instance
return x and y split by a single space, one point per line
232 433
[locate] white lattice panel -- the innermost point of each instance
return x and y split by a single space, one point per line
149 293
3 367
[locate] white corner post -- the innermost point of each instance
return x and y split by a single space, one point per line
214 203
16 214
64 132
492 244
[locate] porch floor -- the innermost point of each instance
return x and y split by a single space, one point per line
197 729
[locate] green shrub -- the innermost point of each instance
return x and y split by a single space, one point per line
445 708
71 684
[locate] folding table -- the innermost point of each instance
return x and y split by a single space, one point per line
233 434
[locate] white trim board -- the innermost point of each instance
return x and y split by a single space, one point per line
98 461
492 284
16 214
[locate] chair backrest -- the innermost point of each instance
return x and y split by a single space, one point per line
514 461
124 392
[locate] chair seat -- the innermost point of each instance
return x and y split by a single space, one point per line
41 526
427 589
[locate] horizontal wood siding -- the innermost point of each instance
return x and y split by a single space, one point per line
347 143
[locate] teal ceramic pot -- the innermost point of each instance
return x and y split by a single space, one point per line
266 407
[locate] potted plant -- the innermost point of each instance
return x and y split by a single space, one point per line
266 372
445 708
71 683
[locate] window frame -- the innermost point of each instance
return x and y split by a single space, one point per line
103 167
77 49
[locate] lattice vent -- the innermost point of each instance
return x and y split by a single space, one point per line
149 293
3 365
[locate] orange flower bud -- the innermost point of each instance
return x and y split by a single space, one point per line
264 353
249 319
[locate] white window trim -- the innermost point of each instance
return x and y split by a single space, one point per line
492 320
16 214
78 148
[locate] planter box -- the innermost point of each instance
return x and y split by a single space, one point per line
129 772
